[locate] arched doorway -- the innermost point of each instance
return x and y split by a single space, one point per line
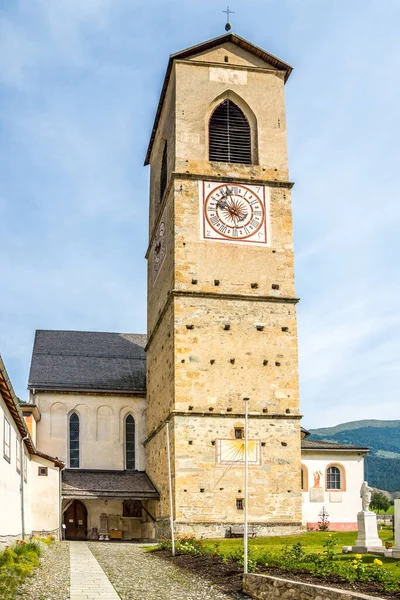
75 521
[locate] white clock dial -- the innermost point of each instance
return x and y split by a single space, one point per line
159 247
233 212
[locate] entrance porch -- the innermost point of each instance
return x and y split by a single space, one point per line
98 504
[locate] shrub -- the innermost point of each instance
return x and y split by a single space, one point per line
17 562
187 544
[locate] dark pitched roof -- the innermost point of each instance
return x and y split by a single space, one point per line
307 444
88 360
14 406
97 483
233 38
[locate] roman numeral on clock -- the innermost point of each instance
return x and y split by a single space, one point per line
214 220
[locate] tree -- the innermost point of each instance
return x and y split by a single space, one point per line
379 502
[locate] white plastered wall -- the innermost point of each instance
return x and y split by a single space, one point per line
45 503
101 427
342 506
10 483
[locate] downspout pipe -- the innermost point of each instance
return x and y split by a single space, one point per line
22 466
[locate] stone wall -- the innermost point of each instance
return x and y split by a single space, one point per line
264 587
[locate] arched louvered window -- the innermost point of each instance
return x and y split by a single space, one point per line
129 443
164 171
229 135
74 441
333 479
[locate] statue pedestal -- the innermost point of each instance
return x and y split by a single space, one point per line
395 552
368 539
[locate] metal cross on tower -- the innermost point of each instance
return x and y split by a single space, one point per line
228 12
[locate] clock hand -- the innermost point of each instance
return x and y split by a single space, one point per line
222 204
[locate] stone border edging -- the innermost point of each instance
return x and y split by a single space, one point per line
266 587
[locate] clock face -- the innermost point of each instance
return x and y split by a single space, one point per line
159 247
233 212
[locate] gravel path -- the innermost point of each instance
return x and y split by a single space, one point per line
51 580
140 575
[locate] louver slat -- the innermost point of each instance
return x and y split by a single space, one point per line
229 135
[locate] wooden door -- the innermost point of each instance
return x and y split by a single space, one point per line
75 520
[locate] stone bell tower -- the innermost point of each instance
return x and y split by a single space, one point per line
221 299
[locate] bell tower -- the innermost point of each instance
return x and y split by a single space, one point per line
221 298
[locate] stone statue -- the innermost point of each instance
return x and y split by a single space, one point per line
365 495
317 479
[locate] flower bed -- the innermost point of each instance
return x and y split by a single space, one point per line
360 572
17 562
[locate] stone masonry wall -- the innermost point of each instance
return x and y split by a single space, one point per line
215 368
264 587
206 491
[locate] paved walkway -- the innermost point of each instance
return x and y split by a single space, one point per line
88 580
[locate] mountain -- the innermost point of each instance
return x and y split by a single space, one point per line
382 464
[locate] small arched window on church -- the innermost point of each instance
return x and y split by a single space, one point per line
334 479
129 443
229 135
304 478
164 171
74 441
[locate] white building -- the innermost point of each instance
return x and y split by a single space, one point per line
29 479
331 478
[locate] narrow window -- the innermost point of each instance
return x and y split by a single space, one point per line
7 440
229 135
333 478
42 471
239 433
129 443
74 441
164 172
25 468
18 455
239 504
131 508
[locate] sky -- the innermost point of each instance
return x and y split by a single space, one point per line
79 86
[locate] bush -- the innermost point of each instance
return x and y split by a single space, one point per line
17 562
187 544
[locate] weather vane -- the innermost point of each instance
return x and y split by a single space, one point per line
228 12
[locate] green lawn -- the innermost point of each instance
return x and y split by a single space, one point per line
389 511
311 541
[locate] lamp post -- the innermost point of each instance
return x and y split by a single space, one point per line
246 484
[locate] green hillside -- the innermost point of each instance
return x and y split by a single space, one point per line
382 465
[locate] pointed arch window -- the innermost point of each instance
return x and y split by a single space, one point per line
74 441
229 135
129 443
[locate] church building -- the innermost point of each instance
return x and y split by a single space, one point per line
221 332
